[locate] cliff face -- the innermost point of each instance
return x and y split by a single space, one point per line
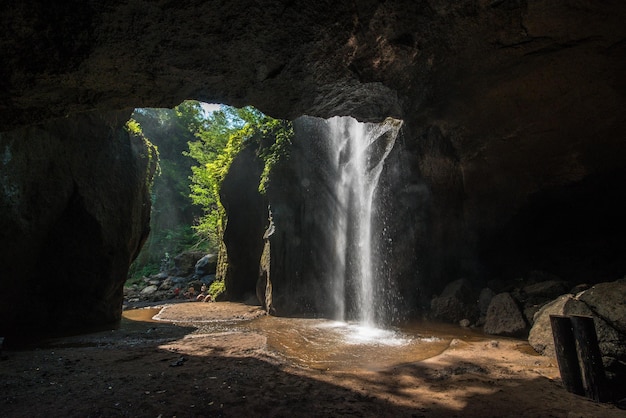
513 109
74 212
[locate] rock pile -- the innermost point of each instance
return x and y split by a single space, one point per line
522 309
185 280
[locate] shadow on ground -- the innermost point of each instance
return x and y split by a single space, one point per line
145 370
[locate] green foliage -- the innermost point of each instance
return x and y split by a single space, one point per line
220 138
216 288
196 151
136 273
153 168
172 210
133 127
282 131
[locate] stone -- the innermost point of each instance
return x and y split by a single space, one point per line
604 298
185 263
148 290
167 284
504 317
484 299
549 289
456 302
608 301
206 265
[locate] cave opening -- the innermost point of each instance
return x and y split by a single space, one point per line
312 205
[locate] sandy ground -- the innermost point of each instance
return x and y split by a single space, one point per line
186 369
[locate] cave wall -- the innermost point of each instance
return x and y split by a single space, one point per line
513 109
246 221
74 212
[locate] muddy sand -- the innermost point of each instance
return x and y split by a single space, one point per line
200 365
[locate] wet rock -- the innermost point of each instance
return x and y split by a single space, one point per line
504 317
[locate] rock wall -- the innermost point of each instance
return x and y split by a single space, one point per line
74 212
247 218
513 109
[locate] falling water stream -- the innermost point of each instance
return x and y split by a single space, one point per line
358 153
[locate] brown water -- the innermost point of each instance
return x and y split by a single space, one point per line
329 345
142 315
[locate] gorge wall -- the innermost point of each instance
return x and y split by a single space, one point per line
74 212
513 111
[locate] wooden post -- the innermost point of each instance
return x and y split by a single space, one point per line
566 355
590 358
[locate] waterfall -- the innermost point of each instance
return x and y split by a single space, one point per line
358 153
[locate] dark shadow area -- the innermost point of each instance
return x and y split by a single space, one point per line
574 231
133 371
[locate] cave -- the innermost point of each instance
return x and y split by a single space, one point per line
513 118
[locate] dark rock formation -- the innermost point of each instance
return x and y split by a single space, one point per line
246 212
456 302
185 263
504 317
605 303
513 110
74 212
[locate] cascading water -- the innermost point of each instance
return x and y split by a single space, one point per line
358 153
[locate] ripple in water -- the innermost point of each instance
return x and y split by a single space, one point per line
324 344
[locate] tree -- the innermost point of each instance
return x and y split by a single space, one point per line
220 137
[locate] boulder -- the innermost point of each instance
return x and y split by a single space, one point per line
185 263
456 302
605 303
484 299
504 317
206 265
548 290
148 290
536 294
608 301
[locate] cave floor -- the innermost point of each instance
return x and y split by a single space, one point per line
148 368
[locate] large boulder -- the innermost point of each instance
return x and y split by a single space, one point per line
185 263
534 296
456 302
206 265
605 302
504 317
